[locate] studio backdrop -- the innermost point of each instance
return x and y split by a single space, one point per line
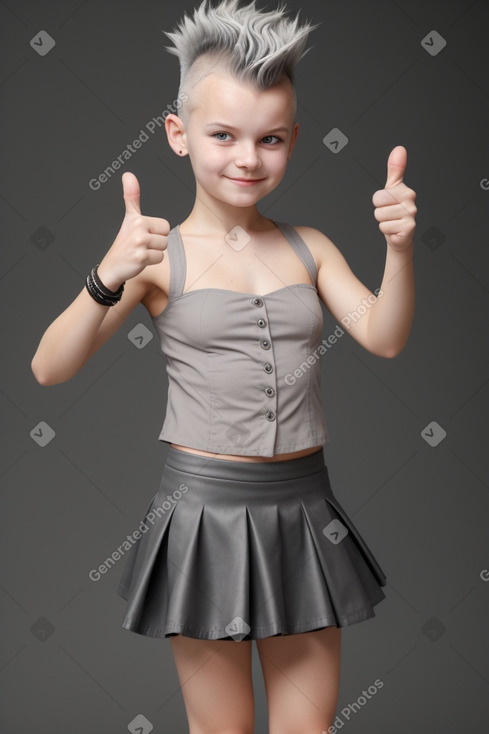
85 87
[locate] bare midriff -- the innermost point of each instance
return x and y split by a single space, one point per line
234 457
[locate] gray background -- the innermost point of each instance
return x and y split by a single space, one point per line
66 665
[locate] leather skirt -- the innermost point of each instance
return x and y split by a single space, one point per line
239 550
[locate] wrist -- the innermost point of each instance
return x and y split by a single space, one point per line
99 291
108 277
404 250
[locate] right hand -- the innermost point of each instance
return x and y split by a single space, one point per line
141 240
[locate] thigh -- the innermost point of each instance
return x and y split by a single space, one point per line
217 685
302 678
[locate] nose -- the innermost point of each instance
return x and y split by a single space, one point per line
247 156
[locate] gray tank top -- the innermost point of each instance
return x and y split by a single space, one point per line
244 370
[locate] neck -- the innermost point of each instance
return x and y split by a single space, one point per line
218 218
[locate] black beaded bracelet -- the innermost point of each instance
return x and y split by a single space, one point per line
100 292
96 295
102 287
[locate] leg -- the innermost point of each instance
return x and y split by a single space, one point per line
217 684
302 679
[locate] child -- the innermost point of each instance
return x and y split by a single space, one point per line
244 539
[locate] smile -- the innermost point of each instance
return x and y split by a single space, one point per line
245 181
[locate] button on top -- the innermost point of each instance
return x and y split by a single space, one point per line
261 323
257 301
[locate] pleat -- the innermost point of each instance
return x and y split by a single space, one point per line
236 559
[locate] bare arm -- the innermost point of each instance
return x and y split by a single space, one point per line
389 322
82 328
380 323
76 334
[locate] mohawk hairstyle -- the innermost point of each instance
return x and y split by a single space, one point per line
253 45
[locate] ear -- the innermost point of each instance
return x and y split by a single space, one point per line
293 138
175 132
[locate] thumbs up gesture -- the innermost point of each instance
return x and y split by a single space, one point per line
395 207
141 240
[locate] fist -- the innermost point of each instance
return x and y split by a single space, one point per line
141 240
395 208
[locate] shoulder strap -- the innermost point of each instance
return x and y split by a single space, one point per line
300 247
178 265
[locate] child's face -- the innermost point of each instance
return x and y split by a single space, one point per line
239 139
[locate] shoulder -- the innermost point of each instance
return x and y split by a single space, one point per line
319 244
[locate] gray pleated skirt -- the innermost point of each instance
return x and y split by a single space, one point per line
244 550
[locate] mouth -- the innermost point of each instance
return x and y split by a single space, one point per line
245 181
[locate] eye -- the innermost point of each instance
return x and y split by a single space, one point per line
267 138
222 140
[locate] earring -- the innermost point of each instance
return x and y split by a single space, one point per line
180 151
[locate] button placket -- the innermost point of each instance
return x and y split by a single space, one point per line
266 344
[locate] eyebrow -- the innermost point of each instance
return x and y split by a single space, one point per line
231 127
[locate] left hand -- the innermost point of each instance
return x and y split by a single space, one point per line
395 207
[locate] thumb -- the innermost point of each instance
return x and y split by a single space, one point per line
396 166
131 193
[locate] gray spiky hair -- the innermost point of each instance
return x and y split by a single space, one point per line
255 46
